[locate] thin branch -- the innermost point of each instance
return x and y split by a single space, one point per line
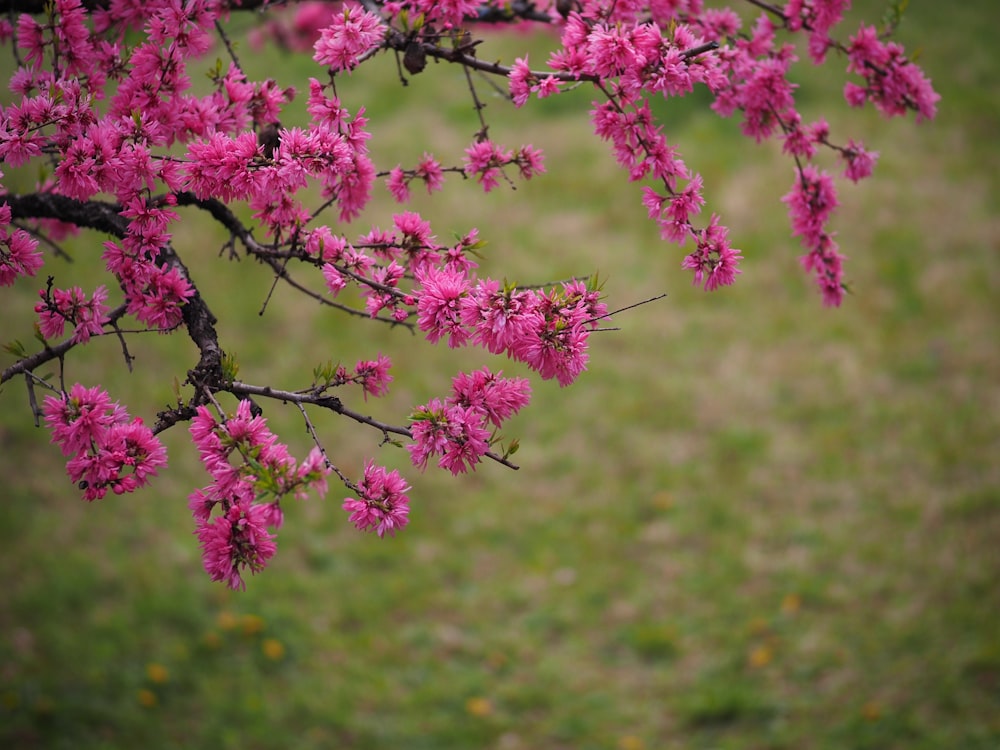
623 309
327 402
326 458
32 401
43 238
267 254
129 359
105 217
773 9
229 46
49 353
699 50
334 404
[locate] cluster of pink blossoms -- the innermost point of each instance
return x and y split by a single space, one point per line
810 203
629 61
116 114
383 506
428 170
892 82
446 13
458 429
19 255
62 306
108 450
349 35
251 472
548 332
627 56
485 161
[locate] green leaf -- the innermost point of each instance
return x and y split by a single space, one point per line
512 448
16 348
230 367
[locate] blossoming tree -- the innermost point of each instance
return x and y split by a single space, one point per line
104 101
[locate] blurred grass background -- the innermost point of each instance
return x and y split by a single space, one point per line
753 523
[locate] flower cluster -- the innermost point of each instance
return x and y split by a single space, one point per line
818 17
372 375
446 13
62 306
892 82
548 332
485 161
428 170
383 506
457 429
350 35
713 260
810 202
19 254
629 61
104 96
109 451
381 261
524 82
251 472
627 55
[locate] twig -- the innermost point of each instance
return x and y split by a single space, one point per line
32 401
326 459
229 47
623 309
327 402
769 8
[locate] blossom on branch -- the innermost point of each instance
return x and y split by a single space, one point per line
107 449
351 34
384 506
104 110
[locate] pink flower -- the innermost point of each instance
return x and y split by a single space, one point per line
500 318
347 38
714 262
860 163
827 264
483 160
496 397
892 83
383 506
811 201
313 472
335 281
60 306
397 184
469 441
439 305
108 451
158 301
447 13
325 245
80 418
520 81
554 350
610 51
374 375
529 162
429 170
235 542
430 433
19 255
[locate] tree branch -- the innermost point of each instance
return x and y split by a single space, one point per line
269 255
105 217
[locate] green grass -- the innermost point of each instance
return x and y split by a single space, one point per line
754 523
